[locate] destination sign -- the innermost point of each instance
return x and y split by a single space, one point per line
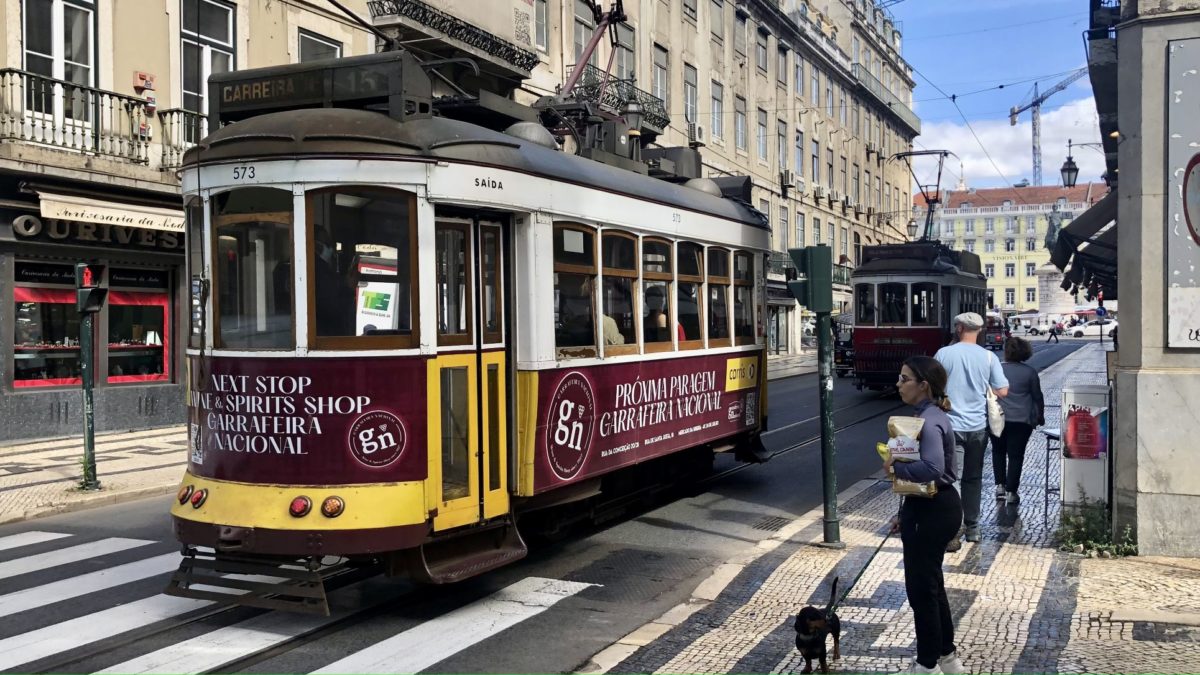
294 88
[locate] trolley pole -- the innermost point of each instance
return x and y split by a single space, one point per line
89 298
815 291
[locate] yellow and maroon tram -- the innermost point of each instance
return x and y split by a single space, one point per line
905 298
409 331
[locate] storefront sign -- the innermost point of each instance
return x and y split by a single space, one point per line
1183 194
133 278
44 273
82 209
308 421
29 227
594 420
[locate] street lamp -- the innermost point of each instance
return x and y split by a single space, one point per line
912 228
1070 170
633 114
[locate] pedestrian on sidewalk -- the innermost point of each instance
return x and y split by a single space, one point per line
1052 334
1024 408
928 524
971 369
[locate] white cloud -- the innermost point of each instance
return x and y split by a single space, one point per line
1011 147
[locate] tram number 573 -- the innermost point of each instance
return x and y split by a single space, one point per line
243 172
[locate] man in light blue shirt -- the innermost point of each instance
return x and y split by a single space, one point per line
972 369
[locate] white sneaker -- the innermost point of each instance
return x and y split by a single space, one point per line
999 492
915 667
951 664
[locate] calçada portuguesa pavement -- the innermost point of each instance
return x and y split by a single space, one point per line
1020 605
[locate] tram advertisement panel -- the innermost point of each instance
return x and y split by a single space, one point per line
593 420
307 421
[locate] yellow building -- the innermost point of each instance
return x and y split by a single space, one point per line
1006 228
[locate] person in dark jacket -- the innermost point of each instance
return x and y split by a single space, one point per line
1024 409
927 524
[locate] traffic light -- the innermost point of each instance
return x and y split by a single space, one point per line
89 295
815 264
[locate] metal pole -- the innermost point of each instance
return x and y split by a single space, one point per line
86 323
828 443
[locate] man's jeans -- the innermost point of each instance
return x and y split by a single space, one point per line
968 466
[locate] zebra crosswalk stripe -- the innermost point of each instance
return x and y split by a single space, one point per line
74 587
422 646
28 539
63 556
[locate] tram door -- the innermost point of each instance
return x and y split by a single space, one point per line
468 438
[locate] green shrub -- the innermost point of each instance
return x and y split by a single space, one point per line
1087 527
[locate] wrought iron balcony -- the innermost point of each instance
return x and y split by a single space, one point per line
181 129
612 94
781 263
70 116
841 275
456 29
901 111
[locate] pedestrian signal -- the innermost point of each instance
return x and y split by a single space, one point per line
89 295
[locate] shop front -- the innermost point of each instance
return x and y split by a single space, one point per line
780 304
138 355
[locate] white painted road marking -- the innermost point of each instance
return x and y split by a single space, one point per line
74 587
63 556
422 646
28 538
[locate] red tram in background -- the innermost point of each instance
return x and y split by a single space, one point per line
905 298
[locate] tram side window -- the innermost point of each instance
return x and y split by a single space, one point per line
574 299
252 268
619 260
657 274
743 297
864 304
194 215
690 294
718 297
924 304
893 304
361 266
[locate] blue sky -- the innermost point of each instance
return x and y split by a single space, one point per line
964 46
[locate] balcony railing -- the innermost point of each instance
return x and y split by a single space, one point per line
180 131
781 263
71 116
612 94
455 28
898 108
841 275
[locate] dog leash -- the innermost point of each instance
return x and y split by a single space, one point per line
862 571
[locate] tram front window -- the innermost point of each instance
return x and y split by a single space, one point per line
360 263
252 268
864 305
924 304
893 304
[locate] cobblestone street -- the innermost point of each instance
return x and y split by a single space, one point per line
1019 604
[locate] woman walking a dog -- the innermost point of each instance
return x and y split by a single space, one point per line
927 524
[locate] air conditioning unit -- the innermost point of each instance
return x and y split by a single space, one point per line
835 196
818 192
785 179
870 148
695 134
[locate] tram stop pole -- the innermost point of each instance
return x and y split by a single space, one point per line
89 299
815 291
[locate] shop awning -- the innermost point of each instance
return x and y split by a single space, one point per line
83 209
1086 250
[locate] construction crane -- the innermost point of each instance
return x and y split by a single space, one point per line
1034 104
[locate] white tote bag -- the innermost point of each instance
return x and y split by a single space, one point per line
995 414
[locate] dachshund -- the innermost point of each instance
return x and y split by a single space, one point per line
812 627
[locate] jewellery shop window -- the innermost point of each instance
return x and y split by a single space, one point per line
46 326
139 337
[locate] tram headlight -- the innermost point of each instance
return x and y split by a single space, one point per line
300 507
199 497
332 507
184 494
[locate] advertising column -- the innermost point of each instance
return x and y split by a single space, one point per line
1085 418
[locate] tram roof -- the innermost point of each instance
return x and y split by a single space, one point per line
341 132
917 257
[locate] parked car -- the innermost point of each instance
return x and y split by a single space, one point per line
1094 327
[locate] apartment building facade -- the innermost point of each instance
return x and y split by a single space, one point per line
809 103
1007 228
98 101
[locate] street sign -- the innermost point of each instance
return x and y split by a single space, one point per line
1101 312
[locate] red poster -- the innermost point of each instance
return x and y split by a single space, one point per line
593 420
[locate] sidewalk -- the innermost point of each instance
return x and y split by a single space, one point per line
788 365
1019 604
42 477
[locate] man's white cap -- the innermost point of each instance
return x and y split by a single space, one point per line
969 320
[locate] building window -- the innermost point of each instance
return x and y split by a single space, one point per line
760 50
816 231
1030 269
989 270
1010 270
829 167
815 85
762 134
845 243
1031 244
800 240
584 27
1010 225
845 185
1030 295
816 163
829 97
716 20
660 82
1031 225
970 227
799 75
855 118
842 108
1010 297
314 47
739 35
781 135
989 245
626 67
799 158
541 32
970 244
59 39
718 110
739 123
989 226
689 9
784 228
781 69
207 31
948 227
689 93
856 178
1010 245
